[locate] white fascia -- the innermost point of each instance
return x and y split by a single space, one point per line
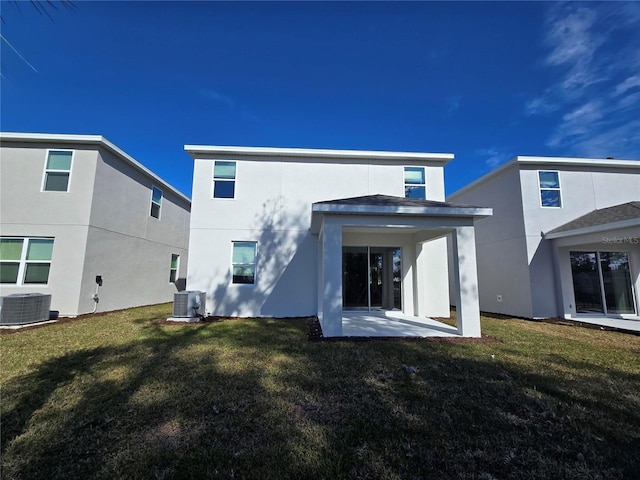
393 210
195 150
579 162
594 229
318 212
90 140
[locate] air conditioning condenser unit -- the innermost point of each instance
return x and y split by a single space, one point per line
24 308
189 304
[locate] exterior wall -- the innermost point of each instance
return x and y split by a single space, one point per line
67 262
432 261
500 244
23 200
101 226
582 192
134 271
27 211
128 247
514 260
272 206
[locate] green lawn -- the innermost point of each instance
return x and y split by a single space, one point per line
122 396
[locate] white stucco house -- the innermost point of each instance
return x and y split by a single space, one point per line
283 232
77 207
564 240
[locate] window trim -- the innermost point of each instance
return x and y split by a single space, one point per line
404 180
176 270
214 180
23 262
255 264
46 170
558 189
152 203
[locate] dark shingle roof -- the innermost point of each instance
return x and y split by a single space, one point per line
390 201
602 216
385 205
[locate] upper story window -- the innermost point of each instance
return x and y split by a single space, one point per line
224 179
25 261
549 189
156 202
414 183
243 262
57 171
173 272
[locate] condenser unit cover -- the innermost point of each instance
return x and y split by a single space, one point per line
24 308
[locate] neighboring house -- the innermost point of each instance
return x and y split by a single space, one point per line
291 232
75 207
564 239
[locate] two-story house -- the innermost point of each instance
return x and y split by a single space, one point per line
564 240
83 221
294 232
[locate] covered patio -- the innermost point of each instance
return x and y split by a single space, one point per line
392 323
597 265
422 230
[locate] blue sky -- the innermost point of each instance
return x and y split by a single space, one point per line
483 80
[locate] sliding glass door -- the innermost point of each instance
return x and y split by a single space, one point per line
602 282
355 278
616 282
371 277
586 282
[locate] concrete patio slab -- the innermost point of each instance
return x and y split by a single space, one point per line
631 322
390 323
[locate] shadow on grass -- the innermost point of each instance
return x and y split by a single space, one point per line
254 399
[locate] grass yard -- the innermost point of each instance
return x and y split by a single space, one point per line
123 396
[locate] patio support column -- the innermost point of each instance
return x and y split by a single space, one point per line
466 281
320 279
331 245
408 284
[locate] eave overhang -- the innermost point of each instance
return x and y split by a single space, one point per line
625 215
594 229
380 205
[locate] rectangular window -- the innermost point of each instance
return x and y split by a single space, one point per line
549 189
224 179
25 261
173 273
243 263
57 171
414 183
156 202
